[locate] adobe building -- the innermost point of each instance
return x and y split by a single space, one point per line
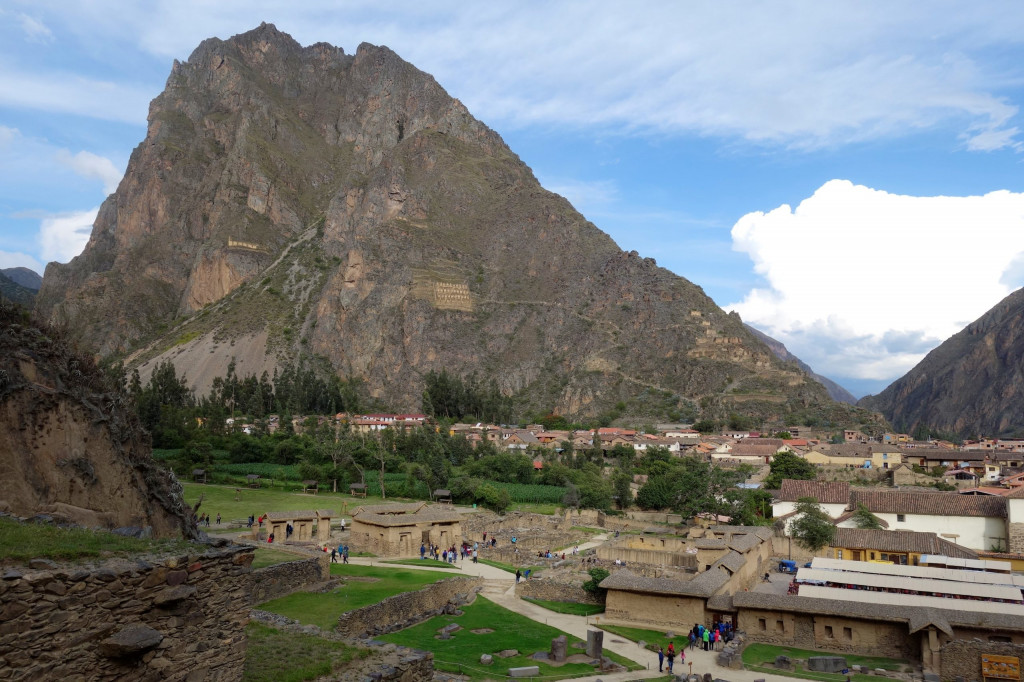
728 559
303 524
398 530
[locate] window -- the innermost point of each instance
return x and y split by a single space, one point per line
762 624
999 638
828 632
901 518
848 633
839 554
780 626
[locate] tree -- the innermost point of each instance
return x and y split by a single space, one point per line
657 493
812 528
865 519
622 490
596 576
787 465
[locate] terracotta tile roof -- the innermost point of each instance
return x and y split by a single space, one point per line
844 450
932 504
849 514
827 492
753 449
899 541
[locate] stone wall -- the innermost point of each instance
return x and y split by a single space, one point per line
552 590
653 557
829 633
962 657
1016 531
276 581
403 610
146 619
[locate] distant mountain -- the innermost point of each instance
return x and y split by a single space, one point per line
835 391
12 291
300 202
29 279
971 384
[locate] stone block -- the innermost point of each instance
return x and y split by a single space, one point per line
541 656
130 641
595 643
524 671
826 664
783 663
881 672
559 648
507 653
486 659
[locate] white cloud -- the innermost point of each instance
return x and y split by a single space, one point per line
789 73
63 236
90 165
35 30
862 283
69 93
585 195
14 259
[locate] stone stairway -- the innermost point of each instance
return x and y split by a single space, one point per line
498 588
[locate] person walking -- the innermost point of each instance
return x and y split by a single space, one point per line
344 556
475 561
218 518
693 639
519 575
334 555
423 551
661 658
671 655
707 639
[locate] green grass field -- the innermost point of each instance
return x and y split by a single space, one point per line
24 541
572 608
534 570
426 563
654 638
221 499
462 652
323 609
274 656
756 657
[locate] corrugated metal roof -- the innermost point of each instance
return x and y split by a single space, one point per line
917 584
889 600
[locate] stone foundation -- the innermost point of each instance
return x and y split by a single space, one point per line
143 619
961 658
403 610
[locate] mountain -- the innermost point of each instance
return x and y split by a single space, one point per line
835 391
29 279
12 291
973 383
299 202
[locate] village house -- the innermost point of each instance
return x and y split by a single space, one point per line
899 547
833 497
857 455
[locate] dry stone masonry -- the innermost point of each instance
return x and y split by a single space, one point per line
173 618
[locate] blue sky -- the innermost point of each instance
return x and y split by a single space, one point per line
847 176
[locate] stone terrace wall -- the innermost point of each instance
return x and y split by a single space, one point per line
403 610
551 590
653 557
962 657
283 579
162 619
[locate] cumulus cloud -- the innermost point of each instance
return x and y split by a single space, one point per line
862 283
90 165
63 236
15 259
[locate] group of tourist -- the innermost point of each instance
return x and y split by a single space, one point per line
449 555
342 550
204 520
713 638
252 520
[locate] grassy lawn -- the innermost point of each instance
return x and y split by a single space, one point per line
462 652
534 570
20 542
323 609
535 507
220 499
273 656
758 657
431 563
589 530
570 607
271 557
654 638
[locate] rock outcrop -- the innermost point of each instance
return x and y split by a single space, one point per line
346 206
69 447
972 384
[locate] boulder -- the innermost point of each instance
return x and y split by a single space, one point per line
507 653
486 659
559 648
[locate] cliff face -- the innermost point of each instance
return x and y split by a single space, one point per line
971 384
297 200
68 447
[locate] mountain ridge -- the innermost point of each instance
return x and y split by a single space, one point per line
971 384
298 201
835 391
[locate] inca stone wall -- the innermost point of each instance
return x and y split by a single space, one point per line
172 618
962 657
1016 531
282 579
402 610
550 590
